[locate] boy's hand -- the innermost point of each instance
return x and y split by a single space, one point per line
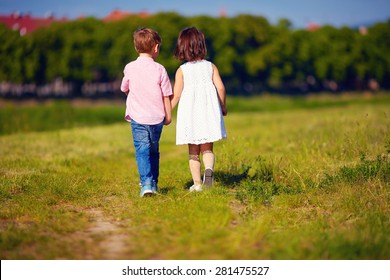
167 121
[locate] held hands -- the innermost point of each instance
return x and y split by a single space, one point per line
167 121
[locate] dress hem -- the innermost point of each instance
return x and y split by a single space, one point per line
200 142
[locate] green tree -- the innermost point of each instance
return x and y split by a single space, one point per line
247 49
11 55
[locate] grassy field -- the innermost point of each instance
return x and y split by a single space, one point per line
305 178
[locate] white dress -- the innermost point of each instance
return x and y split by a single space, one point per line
199 115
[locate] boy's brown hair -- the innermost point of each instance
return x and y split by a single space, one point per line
191 45
145 39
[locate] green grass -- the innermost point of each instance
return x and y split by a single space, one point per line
293 181
48 116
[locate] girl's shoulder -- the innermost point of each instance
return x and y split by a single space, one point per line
199 62
205 61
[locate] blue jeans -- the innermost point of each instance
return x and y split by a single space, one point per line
146 143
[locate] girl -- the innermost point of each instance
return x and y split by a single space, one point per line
201 95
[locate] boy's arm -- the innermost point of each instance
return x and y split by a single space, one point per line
220 89
177 88
125 86
166 89
168 110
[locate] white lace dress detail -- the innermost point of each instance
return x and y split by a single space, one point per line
199 115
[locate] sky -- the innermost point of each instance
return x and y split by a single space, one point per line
300 12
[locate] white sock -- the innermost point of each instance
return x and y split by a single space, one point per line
195 171
208 160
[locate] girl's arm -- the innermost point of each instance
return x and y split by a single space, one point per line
220 89
177 88
168 110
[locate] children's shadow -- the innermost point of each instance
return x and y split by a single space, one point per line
224 179
230 180
165 190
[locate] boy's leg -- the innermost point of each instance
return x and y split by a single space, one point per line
155 135
142 145
194 162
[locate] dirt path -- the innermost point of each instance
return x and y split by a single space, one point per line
113 241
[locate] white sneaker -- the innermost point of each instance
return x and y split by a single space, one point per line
146 191
196 188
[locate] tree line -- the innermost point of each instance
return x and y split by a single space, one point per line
87 56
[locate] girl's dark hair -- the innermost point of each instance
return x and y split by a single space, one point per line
190 45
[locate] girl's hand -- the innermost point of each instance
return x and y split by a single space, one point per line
224 111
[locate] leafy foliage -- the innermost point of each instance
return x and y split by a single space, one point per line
251 54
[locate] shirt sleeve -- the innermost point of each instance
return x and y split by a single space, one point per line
125 85
125 82
166 86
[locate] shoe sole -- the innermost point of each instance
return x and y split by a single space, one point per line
146 193
208 178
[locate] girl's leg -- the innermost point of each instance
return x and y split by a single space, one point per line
208 155
208 161
194 162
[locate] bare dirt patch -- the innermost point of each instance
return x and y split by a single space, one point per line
112 242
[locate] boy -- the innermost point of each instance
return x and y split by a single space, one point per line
148 108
